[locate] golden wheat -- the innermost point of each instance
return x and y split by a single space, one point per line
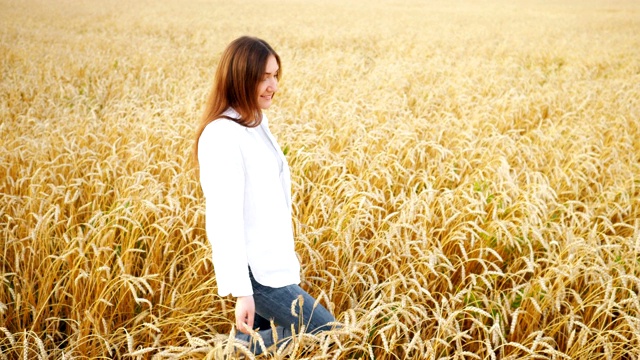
466 177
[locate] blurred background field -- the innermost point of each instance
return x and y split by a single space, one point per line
466 176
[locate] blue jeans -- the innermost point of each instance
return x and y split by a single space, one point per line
276 304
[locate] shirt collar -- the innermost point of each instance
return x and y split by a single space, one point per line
232 113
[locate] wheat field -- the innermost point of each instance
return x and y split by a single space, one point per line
466 176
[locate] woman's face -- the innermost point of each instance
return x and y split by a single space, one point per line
268 85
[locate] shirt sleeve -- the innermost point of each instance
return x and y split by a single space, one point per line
223 183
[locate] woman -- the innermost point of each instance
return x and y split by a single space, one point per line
247 187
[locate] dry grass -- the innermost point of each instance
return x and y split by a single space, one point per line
466 176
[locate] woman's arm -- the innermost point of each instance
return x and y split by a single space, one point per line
223 184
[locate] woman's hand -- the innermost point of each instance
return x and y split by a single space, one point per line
245 312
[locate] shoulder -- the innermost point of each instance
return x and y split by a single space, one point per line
221 136
222 129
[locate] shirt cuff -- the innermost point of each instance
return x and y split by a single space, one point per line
242 287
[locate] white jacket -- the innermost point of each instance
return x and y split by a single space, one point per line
248 207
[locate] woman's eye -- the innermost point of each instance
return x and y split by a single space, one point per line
275 76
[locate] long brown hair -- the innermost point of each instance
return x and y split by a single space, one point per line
235 85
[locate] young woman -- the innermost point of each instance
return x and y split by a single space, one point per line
247 187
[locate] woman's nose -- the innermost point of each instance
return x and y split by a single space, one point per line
273 85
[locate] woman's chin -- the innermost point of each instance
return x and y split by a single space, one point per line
265 104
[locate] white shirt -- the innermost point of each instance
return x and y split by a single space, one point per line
247 187
262 130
